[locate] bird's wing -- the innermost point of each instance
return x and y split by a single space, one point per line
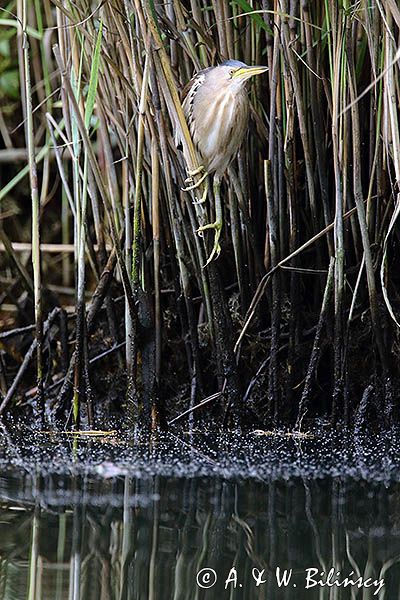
187 98
194 82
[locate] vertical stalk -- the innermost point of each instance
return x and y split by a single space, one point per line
33 178
132 397
155 185
138 183
128 261
316 349
362 221
275 309
337 124
61 543
34 555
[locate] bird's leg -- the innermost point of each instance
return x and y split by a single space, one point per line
217 225
198 183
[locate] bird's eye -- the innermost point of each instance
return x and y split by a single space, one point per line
231 72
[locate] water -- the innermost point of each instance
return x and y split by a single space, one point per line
107 518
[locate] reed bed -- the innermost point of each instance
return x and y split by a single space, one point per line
299 315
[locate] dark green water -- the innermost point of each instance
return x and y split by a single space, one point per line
108 519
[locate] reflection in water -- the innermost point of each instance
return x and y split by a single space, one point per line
146 539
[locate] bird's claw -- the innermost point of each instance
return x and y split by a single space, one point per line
195 185
191 173
199 200
203 198
190 179
215 252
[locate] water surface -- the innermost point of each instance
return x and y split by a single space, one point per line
111 518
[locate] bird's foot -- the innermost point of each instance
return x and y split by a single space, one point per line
198 183
215 252
203 197
193 172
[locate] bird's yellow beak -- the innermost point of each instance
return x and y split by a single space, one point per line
247 72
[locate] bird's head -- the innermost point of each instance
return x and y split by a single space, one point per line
237 73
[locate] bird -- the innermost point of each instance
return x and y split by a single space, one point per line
216 108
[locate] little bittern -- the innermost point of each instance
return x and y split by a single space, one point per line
216 108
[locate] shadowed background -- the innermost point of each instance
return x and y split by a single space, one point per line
297 315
